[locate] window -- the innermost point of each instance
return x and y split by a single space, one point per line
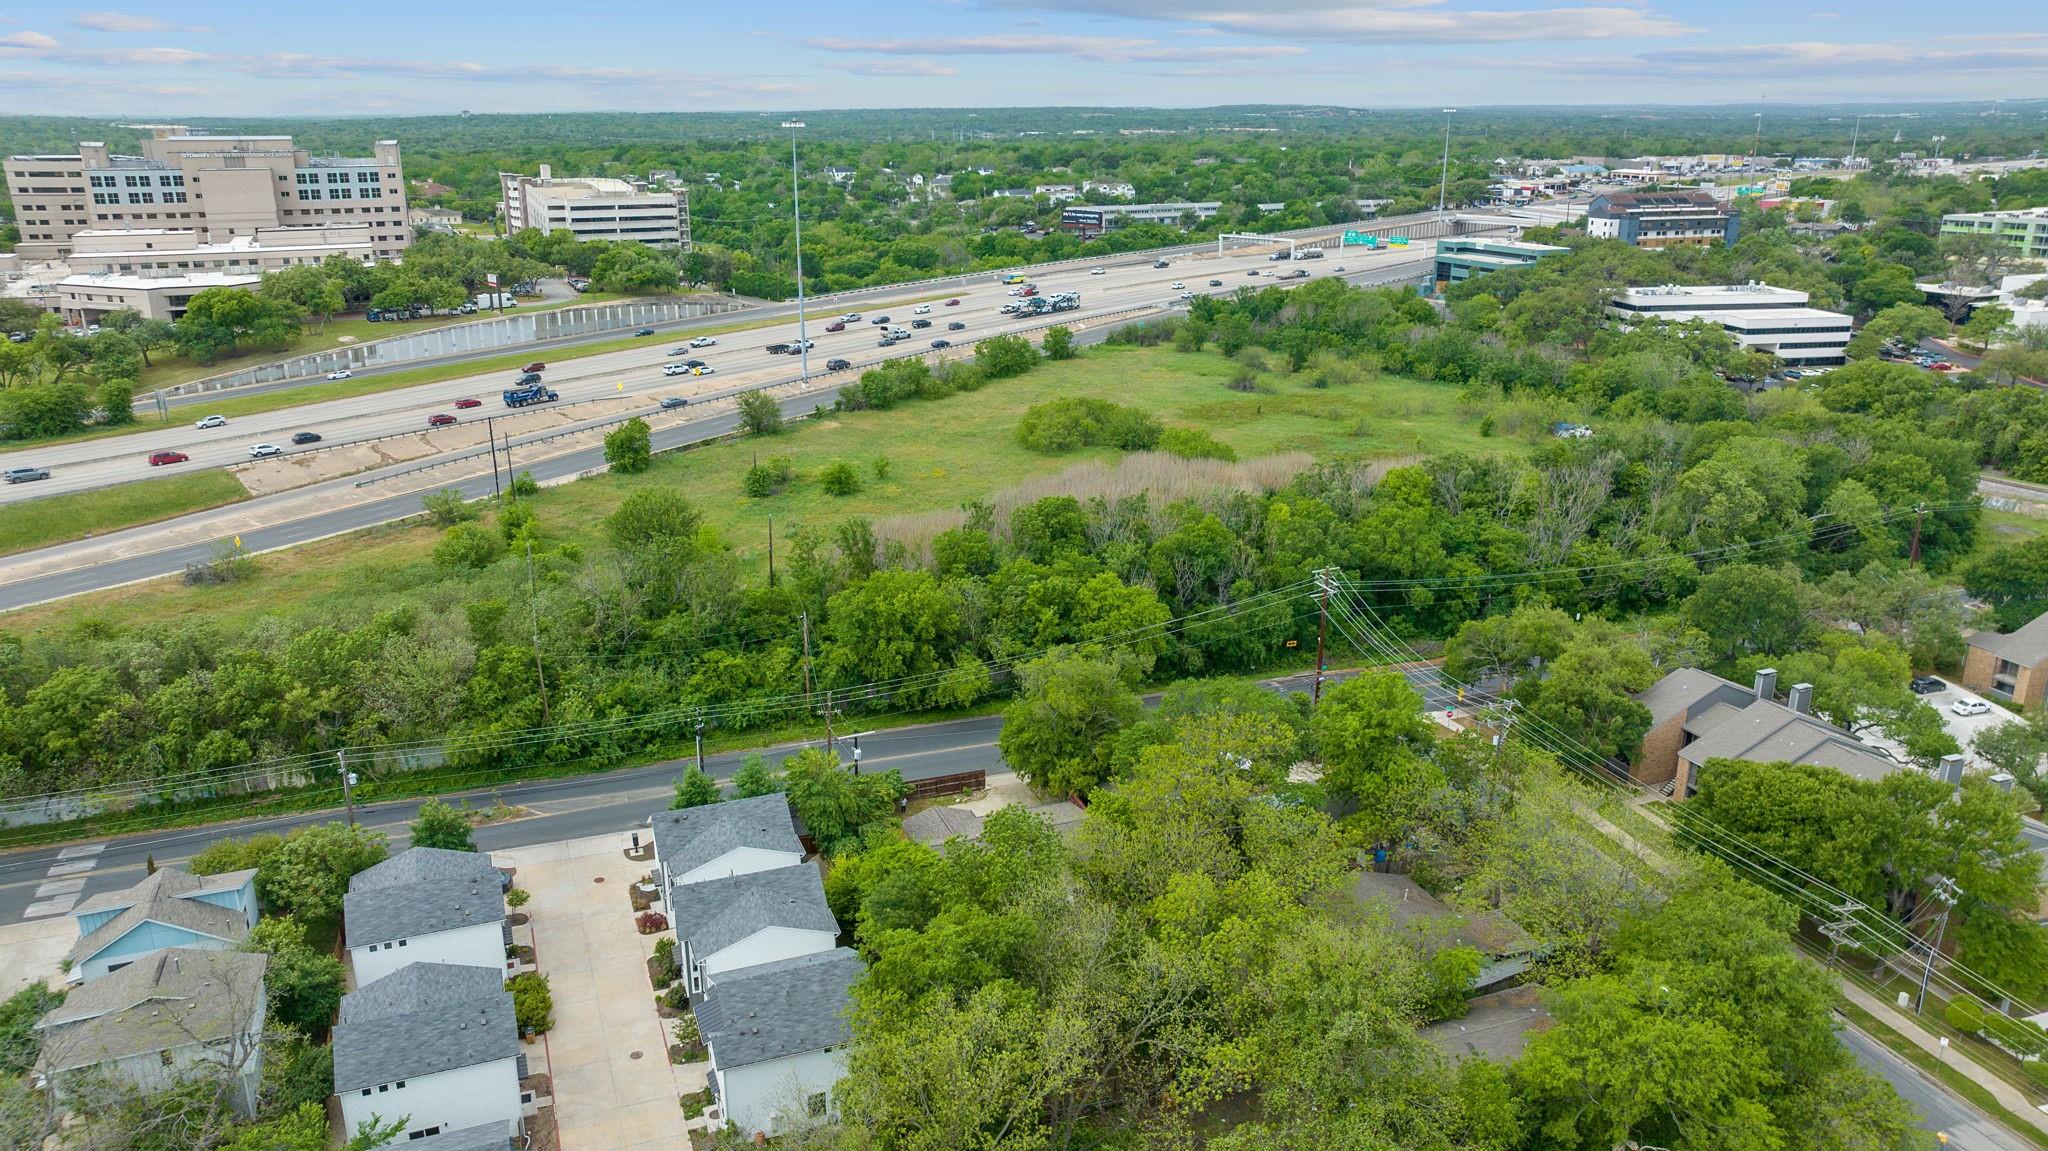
401 1085
816 1105
366 1090
423 1132
165 1056
401 943
383 1087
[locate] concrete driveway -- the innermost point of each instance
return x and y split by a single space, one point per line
1966 728
614 1087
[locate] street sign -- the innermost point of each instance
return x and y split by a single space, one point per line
1355 237
1398 241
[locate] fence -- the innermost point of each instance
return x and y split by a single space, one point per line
499 332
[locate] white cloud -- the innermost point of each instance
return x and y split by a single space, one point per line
909 66
124 22
27 40
1386 21
1807 65
1104 49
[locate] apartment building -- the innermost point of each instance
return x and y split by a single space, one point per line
1760 317
1661 219
2026 229
595 208
220 187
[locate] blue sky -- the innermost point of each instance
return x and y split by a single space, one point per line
373 56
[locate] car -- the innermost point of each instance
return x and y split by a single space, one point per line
305 437
954 303
679 350
836 326
920 323
1253 272
1215 283
850 318
703 342
702 370
469 402
24 475
674 370
1009 309
526 379
644 332
921 310
340 374
1338 268
837 365
693 363
1942 366
942 343
1926 685
212 422
879 320
259 451
801 346
440 420
1969 707
1176 285
670 403
1016 291
159 459
886 342
535 366
956 326
1098 271
1161 264
1187 295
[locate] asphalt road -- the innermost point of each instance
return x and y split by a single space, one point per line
1968 1129
139 560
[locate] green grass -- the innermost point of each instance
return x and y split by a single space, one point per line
941 453
77 515
1953 1079
2003 529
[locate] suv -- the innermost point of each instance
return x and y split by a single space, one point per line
1926 685
837 365
535 366
920 323
259 451
212 422
921 310
526 378
674 369
440 420
305 437
24 475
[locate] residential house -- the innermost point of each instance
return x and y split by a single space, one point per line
2012 666
1696 716
777 1034
170 908
1109 189
426 905
840 175
488 1137
158 1021
935 825
740 921
1057 193
434 1045
721 839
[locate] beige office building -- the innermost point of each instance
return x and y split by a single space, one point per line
220 187
595 208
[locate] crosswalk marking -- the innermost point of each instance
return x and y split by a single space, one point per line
75 867
58 906
82 851
65 882
52 887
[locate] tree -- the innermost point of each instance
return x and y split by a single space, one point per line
443 826
117 402
533 1002
223 855
633 268
1987 325
1060 732
19 1014
695 789
629 448
1748 608
2013 580
221 321
1375 743
838 807
1058 343
308 874
1884 286
760 415
754 779
302 986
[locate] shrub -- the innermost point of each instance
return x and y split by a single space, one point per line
1196 444
533 1004
117 400
524 485
467 546
694 789
665 969
1000 357
1148 334
513 519
19 1040
840 478
1072 422
880 466
1329 369
517 897
677 997
1964 1015
768 477
760 415
2037 1071
449 506
1059 342
629 448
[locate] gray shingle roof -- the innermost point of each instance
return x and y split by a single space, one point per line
165 898
172 998
935 825
1767 732
694 836
489 1137
1682 691
420 1019
2026 645
713 915
778 1009
169 880
420 891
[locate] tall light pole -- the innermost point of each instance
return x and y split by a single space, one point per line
1855 135
1444 184
796 208
1938 140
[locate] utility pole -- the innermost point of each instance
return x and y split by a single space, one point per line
797 217
804 618
491 431
348 785
771 555
1315 695
533 609
856 753
1945 892
1854 135
1444 184
700 743
1913 554
828 719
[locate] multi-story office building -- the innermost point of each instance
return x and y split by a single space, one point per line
595 208
220 187
1661 219
2025 230
1463 257
1760 317
157 271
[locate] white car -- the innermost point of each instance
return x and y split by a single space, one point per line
1969 707
212 422
1187 295
674 370
339 374
1177 285
702 342
921 310
702 370
1098 271
1016 291
850 317
258 451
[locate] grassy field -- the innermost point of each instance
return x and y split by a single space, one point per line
2002 529
940 454
58 519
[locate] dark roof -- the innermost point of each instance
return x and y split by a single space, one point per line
170 999
420 891
2026 645
489 1137
420 1019
1729 722
1622 202
779 1009
690 838
717 913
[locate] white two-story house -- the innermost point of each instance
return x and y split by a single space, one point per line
170 908
722 839
739 921
426 905
434 1045
777 1033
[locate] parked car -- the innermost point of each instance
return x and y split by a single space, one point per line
535 366
212 422
469 402
953 303
644 332
159 459
836 326
674 369
956 326
837 365
24 475
339 374
669 403
1926 685
703 342
1969 707
440 420
305 437
942 343
259 451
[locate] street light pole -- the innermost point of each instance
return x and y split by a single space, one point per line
796 209
1444 185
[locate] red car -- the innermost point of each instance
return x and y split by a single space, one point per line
535 366
952 303
469 403
440 420
836 326
159 459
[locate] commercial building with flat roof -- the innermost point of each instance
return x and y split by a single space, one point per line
2024 229
595 208
1463 257
1095 219
180 251
1661 219
1760 317
222 187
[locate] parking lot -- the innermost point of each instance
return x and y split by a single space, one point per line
1965 728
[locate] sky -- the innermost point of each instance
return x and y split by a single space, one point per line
359 57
